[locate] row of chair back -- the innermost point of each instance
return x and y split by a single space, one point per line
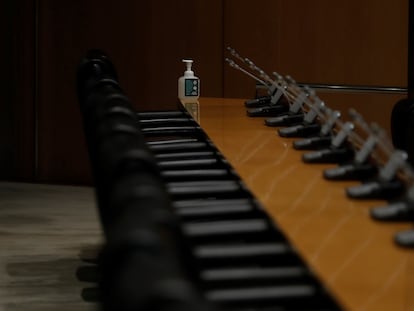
141 261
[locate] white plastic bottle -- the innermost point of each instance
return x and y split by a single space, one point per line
188 85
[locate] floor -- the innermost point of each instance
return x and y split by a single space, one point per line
46 233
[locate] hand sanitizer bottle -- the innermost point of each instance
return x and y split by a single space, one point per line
188 85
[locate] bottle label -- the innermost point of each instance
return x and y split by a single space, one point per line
191 87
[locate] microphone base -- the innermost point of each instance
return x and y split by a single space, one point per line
385 190
285 120
397 211
351 172
267 111
257 102
300 130
333 155
313 143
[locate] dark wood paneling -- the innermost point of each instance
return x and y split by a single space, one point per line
145 39
252 28
7 97
349 42
410 65
17 30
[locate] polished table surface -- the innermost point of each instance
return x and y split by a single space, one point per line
46 230
353 255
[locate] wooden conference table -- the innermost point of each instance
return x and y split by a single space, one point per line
46 229
353 255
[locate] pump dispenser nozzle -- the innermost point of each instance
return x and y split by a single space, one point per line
188 73
188 62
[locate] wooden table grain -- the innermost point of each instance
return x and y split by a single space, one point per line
353 255
46 230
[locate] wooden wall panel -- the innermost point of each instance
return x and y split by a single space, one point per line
348 42
252 28
17 114
145 39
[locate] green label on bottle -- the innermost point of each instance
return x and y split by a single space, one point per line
191 87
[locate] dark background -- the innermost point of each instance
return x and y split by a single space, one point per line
348 42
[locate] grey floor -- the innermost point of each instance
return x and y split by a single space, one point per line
45 233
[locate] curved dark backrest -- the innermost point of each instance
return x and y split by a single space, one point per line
113 136
141 262
402 126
